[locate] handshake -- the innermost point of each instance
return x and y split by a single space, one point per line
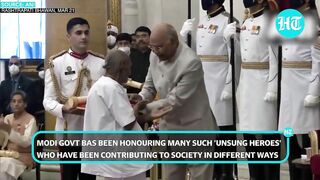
146 111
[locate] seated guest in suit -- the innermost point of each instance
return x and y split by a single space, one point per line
140 57
20 126
16 81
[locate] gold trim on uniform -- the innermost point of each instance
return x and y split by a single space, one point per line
96 54
61 98
297 64
84 72
213 58
55 56
255 65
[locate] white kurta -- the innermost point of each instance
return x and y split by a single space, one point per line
12 166
217 75
108 108
67 68
254 112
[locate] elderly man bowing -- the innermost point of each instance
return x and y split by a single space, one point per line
176 74
108 108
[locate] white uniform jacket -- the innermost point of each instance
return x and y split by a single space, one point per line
66 69
214 53
254 112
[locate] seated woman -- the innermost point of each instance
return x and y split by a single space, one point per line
21 126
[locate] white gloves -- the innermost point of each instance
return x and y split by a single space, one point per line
229 31
225 96
270 96
311 100
187 27
227 92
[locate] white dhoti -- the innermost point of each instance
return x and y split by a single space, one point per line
12 167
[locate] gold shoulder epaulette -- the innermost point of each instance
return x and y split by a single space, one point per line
58 54
51 58
96 54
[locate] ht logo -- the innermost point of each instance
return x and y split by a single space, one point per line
290 23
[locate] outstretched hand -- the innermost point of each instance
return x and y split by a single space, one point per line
144 113
5 127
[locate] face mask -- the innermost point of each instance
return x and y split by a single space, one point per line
249 3
111 40
41 74
125 49
14 69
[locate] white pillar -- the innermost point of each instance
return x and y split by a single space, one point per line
2 70
129 17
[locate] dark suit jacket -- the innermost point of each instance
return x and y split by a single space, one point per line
139 69
25 84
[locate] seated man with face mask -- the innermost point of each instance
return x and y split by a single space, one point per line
123 42
16 81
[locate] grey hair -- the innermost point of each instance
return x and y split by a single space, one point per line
17 58
114 60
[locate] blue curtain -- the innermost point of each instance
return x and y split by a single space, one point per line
23 34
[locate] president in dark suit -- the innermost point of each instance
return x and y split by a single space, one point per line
16 81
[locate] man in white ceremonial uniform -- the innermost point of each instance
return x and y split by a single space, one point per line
71 73
257 90
108 108
214 53
176 74
300 85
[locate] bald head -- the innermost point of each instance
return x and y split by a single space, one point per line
164 41
118 65
164 31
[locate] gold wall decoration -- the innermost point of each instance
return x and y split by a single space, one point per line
114 12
